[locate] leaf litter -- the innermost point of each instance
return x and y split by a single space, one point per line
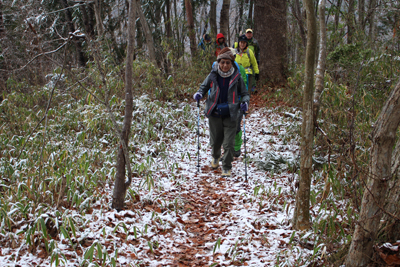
175 216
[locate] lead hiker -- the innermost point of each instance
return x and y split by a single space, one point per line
222 107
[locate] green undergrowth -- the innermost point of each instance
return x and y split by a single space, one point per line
357 84
55 169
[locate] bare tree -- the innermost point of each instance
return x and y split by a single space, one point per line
383 140
301 219
147 32
298 14
99 21
190 22
350 21
121 186
319 80
224 18
361 14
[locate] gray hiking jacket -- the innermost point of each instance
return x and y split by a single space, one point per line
237 89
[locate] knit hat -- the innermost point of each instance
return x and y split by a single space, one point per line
243 38
207 37
226 53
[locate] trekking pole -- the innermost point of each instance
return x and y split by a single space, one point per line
198 136
245 151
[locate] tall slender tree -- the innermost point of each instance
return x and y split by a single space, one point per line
190 23
147 31
301 219
121 185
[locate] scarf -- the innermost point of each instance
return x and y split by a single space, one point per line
225 74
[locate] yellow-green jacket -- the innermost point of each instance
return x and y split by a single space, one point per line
249 64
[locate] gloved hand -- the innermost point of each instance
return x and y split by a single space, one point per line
244 106
197 96
257 76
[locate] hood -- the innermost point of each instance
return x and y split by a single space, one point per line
219 36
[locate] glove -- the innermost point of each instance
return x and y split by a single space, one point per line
257 76
197 96
244 106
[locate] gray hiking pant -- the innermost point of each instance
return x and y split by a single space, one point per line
222 133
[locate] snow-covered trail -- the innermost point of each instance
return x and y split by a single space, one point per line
227 220
183 218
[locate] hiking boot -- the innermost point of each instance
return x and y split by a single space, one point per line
226 173
236 154
215 163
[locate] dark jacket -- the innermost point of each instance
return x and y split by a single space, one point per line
236 88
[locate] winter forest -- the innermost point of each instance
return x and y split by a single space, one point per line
106 158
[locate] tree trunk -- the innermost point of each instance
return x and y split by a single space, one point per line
213 17
361 14
241 8
319 80
390 230
190 22
301 220
120 185
2 29
250 19
79 54
383 140
270 30
99 21
168 28
371 19
147 32
224 18
350 22
299 17
337 13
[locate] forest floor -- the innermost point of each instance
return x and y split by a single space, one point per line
181 217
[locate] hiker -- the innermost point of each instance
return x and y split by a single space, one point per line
246 58
205 42
222 107
220 43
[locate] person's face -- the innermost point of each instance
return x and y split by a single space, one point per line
225 64
221 40
242 45
249 35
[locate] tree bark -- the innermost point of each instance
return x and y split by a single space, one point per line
213 17
241 8
190 23
121 185
224 18
301 220
270 32
319 80
85 19
147 32
383 140
99 21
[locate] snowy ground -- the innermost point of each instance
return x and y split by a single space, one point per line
184 218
